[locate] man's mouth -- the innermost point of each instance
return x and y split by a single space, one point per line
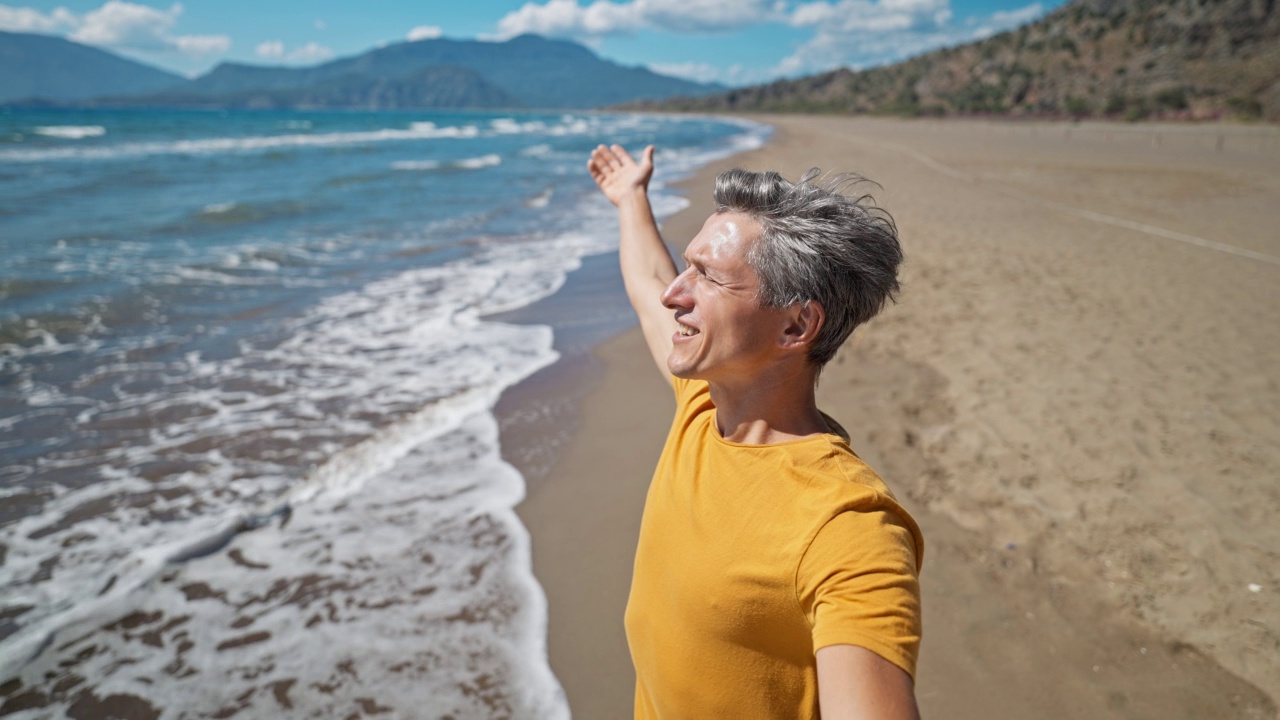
686 331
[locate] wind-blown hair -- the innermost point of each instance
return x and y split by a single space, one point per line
818 243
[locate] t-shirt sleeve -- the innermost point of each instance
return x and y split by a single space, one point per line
858 584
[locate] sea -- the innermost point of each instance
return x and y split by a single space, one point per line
249 461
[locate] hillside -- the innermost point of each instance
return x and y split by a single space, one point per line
1133 59
42 66
531 70
429 87
526 71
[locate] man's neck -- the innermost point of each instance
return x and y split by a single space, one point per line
775 408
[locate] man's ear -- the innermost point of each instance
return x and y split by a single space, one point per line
804 321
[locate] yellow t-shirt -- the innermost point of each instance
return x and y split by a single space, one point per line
751 558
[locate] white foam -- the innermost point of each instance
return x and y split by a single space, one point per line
415 591
483 161
71 132
253 143
365 351
540 200
208 276
536 150
218 208
509 126
415 165
464 131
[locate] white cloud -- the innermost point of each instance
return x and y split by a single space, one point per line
424 32
734 75
854 16
566 18
202 44
270 50
311 52
862 33
117 25
698 72
319 24
844 33
275 50
122 24
16 19
1013 18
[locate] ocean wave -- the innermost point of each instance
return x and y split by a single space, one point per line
234 213
473 163
350 376
463 131
248 144
415 165
541 199
483 161
509 126
71 132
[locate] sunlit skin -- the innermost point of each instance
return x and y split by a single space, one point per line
707 323
723 332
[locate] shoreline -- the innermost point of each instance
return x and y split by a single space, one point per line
584 532
987 423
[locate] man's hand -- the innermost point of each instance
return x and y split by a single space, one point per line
618 174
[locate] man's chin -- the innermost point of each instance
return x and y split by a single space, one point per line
684 373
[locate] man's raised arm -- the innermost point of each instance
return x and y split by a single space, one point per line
647 267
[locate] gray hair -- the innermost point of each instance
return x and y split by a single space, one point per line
818 243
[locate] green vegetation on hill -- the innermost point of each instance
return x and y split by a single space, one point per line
1131 59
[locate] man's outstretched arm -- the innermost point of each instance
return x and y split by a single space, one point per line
647 267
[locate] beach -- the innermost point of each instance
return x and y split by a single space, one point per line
1076 396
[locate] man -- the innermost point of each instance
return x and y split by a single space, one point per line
775 576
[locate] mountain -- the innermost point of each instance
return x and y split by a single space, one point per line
534 71
526 71
1118 58
429 87
41 66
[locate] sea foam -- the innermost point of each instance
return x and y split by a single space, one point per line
243 144
71 132
363 417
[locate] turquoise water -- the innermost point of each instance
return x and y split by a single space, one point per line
212 323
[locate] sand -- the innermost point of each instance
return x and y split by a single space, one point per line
1078 396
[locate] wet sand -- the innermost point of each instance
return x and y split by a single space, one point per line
1077 396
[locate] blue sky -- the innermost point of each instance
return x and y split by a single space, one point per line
735 42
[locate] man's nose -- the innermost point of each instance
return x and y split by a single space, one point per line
676 295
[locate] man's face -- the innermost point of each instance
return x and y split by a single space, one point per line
724 335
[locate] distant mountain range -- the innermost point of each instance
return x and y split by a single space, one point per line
48 67
1131 59
524 72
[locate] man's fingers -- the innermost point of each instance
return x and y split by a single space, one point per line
624 158
605 159
647 158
